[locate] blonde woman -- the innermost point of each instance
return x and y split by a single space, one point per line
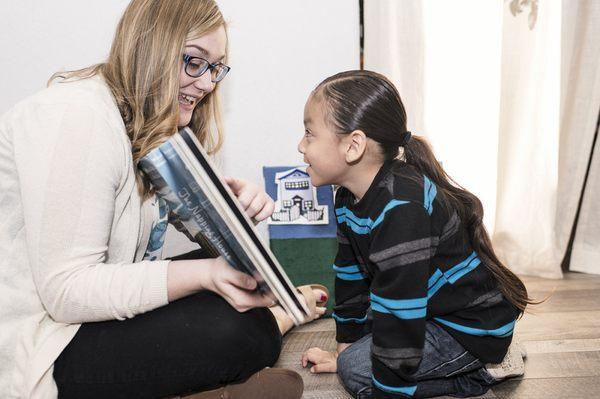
88 309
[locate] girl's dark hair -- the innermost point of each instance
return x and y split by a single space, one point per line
368 101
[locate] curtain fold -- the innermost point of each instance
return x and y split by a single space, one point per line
394 45
579 118
528 147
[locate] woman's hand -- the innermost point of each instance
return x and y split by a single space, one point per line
257 203
324 361
237 288
186 277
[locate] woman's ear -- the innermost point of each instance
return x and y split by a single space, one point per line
356 143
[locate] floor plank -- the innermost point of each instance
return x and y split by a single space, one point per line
562 364
546 388
559 325
562 345
565 300
562 338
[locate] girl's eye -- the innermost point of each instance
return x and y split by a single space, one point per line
307 133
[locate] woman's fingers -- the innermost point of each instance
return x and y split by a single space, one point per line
266 211
243 190
256 203
241 280
237 288
234 184
243 301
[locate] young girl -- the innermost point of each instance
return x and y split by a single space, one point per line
422 303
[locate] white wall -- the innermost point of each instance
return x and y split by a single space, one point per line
279 50
39 38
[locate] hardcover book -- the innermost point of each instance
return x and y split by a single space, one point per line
182 174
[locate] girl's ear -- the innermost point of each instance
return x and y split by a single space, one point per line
356 143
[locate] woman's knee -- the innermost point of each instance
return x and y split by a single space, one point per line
258 336
253 335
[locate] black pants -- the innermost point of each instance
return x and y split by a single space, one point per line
193 344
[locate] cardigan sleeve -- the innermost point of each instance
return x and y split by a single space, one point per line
71 164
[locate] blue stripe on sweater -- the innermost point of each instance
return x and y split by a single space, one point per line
364 225
410 390
439 278
349 273
390 205
430 191
400 314
504 331
358 225
401 308
339 319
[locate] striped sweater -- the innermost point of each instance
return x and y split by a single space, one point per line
405 259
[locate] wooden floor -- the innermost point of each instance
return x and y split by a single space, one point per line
562 337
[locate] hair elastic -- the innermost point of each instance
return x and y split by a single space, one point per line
405 138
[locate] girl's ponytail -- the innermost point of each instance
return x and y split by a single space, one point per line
418 153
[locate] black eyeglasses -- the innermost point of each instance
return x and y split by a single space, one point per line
196 66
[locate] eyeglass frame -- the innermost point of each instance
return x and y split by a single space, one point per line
187 58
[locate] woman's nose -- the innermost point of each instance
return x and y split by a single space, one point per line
203 82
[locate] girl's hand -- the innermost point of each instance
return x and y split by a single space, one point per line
237 288
324 361
257 203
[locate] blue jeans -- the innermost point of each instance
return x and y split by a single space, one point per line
445 369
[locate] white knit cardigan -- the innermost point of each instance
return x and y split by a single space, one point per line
73 230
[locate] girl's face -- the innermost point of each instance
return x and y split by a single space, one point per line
211 47
323 150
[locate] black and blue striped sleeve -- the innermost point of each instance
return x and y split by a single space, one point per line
351 293
401 249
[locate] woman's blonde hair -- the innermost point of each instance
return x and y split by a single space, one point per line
143 70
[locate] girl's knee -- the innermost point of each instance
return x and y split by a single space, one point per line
354 366
344 366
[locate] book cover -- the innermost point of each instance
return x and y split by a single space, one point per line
183 175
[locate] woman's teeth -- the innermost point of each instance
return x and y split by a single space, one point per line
185 99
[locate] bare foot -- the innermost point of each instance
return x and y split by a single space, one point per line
284 321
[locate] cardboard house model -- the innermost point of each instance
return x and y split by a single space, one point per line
297 200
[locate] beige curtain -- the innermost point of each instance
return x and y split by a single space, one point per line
545 114
579 118
394 46
448 76
528 147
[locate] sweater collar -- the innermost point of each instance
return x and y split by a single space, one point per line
373 189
